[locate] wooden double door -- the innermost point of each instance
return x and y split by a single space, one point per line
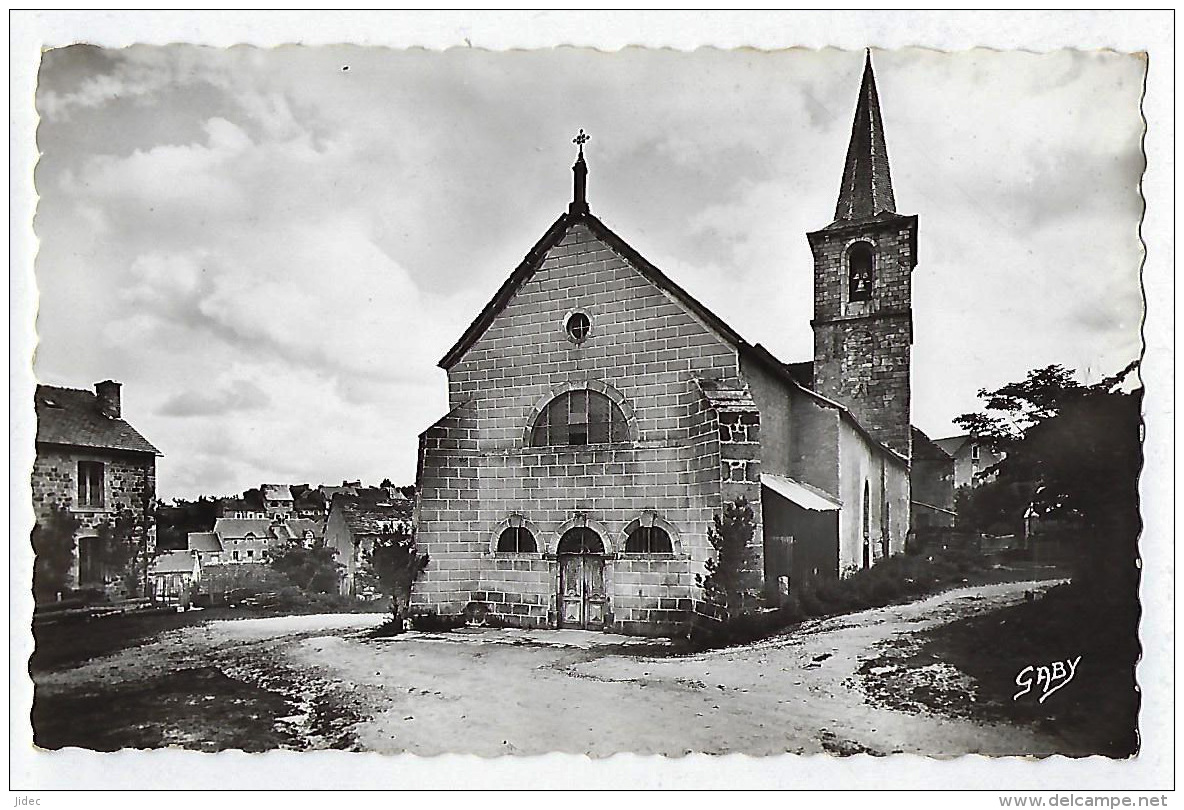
582 598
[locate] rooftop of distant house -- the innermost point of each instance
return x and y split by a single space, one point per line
953 444
293 528
276 492
204 542
371 511
173 562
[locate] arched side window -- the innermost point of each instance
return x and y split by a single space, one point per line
517 539
861 272
867 525
649 540
579 417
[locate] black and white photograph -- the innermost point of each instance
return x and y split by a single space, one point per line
571 398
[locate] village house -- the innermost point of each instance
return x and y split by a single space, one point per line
206 547
971 457
277 501
932 489
355 521
311 504
237 539
346 488
601 416
93 464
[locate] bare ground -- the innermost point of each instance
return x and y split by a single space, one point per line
303 682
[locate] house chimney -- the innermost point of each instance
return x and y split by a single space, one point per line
108 394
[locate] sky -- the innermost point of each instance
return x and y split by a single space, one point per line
272 248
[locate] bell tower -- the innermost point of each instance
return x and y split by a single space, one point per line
863 263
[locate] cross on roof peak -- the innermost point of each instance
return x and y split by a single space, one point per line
581 139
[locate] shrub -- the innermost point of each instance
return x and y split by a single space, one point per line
397 564
729 572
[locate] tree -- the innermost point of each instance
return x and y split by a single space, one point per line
313 568
123 546
730 570
176 520
53 549
995 507
1078 448
397 564
253 499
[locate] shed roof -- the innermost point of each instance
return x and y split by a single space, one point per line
173 562
803 495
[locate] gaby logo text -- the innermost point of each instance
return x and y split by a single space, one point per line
1048 678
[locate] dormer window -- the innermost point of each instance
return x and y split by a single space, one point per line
861 273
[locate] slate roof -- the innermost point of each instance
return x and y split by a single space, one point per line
173 562
802 372
312 499
952 444
264 528
866 191
298 526
204 541
276 492
925 449
368 517
726 399
71 416
332 492
240 527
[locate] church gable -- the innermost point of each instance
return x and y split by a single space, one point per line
589 308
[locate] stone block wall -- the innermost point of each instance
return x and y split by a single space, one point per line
862 350
127 477
740 469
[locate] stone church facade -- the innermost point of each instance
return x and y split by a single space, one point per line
601 416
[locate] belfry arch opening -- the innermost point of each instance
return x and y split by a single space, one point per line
861 272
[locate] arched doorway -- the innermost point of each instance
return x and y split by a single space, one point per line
582 597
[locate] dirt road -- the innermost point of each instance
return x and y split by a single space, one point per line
318 682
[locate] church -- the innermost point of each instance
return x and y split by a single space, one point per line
601 416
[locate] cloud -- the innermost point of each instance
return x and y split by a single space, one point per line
238 396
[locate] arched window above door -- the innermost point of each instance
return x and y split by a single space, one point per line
580 540
579 417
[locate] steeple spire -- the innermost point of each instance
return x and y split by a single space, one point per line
867 183
579 201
